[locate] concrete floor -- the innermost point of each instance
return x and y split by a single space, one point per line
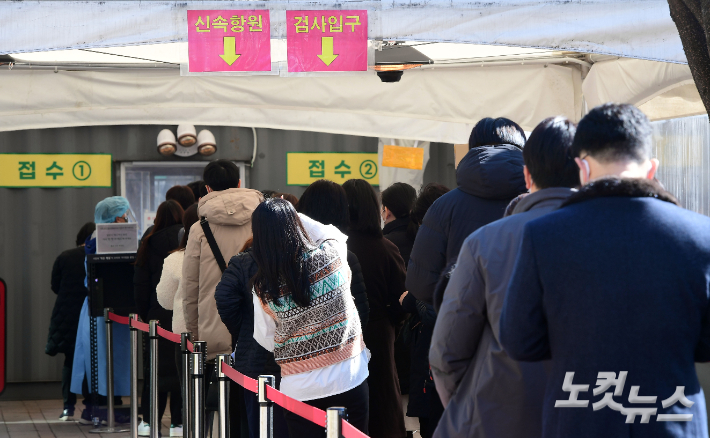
40 418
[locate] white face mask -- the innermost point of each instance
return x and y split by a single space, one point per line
587 172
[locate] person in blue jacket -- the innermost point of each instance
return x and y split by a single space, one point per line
111 210
614 289
488 178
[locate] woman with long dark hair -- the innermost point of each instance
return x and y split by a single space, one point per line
304 313
326 202
384 273
155 247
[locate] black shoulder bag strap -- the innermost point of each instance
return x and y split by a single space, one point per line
213 244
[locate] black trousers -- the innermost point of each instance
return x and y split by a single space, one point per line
168 383
357 402
68 396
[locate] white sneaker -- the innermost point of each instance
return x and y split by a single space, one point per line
144 429
176 430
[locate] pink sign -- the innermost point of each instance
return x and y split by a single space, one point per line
326 40
229 40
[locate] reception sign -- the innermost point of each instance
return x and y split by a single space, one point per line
303 168
229 40
55 170
326 40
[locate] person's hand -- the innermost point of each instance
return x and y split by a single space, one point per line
402 297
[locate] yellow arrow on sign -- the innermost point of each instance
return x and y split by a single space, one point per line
327 51
230 49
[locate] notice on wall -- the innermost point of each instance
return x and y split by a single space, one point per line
326 40
403 157
55 170
303 168
229 40
116 238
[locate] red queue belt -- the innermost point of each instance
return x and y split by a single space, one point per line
299 408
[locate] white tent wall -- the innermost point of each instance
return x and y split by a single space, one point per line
662 90
440 105
629 28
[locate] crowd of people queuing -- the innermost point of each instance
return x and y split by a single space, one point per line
556 263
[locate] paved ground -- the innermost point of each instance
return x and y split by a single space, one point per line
30 419
40 419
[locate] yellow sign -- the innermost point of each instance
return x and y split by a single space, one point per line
55 170
302 168
403 157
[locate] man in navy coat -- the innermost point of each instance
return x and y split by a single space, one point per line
614 289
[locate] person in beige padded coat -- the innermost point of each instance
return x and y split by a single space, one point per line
228 210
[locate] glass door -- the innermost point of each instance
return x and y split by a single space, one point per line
145 184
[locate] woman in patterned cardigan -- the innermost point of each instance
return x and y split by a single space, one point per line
304 313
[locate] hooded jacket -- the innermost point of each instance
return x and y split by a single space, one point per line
488 178
486 393
229 215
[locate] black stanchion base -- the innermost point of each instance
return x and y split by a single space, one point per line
111 430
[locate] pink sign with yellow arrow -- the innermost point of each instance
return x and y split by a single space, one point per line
229 40
327 40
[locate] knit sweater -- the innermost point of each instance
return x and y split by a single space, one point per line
327 331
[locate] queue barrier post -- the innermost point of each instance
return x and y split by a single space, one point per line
153 336
266 408
110 417
186 386
334 422
223 408
135 341
197 376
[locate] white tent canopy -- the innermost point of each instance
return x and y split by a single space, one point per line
627 28
438 103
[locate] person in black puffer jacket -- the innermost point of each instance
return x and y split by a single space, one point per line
488 177
68 283
155 247
236 309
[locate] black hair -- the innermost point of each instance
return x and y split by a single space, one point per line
547 154
613 132
279 245
492 132
221 175
188 219
169 213
363 208
182 195
427 195
326 202
198 189
399 199
85 232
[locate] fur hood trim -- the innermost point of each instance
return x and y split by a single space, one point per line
621 187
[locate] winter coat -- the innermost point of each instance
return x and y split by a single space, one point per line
396 232
229 215
488 178
486 393
614 281
359 290
384 274
147 275
68 283
171 291
236 309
